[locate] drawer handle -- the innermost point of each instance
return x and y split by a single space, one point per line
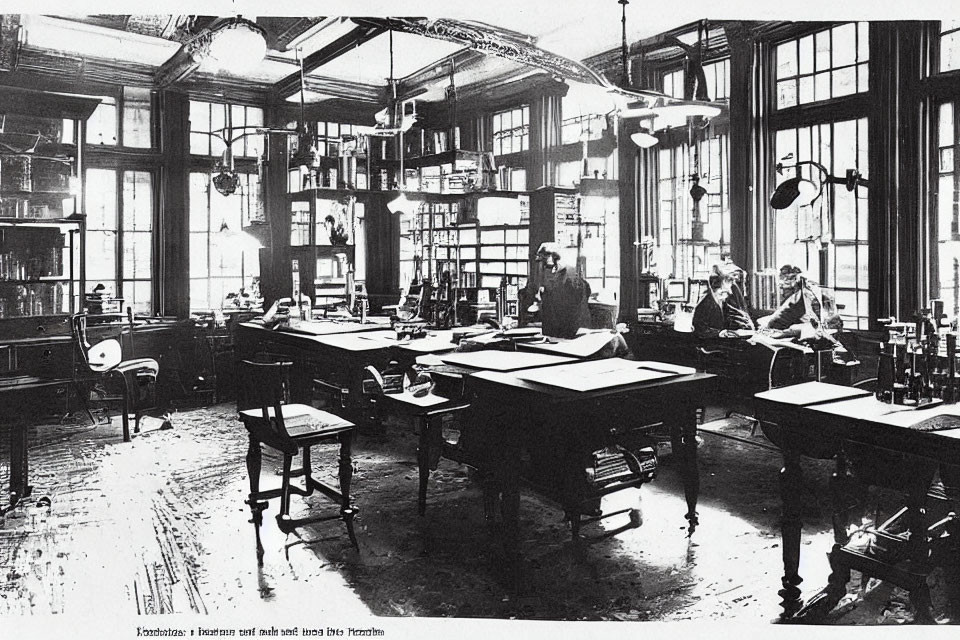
41 329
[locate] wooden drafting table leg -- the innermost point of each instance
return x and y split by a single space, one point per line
19 467
509 482
423 462
823 603
790 486
683 436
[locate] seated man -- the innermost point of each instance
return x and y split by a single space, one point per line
805 306
722 310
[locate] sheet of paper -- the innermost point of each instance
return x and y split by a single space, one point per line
593 375
580 347
502 360
809 393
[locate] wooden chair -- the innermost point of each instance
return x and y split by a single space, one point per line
137 377
290 429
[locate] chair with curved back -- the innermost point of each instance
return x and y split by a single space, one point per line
290 429
137 377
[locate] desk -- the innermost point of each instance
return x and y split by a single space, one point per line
19 460
820 420
339 357
559 427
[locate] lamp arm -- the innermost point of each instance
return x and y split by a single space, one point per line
851 180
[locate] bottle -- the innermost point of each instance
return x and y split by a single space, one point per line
58 298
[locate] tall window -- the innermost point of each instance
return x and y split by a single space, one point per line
511 131
693 236
673 83
949 45
948 210
718 79
120 212
222 259
830 233
822 65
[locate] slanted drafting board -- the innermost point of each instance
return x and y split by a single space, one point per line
595 374
502 360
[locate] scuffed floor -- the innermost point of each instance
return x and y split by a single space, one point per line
159 525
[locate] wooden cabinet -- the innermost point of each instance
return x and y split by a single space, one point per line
584 221
323 238
41 214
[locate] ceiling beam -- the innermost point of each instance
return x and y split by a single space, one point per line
346 89
363 33
281 37
438 72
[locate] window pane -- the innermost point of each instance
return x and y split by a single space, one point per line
101 199
137 254
137 201
136 118
786 94
821 86
102 124
946 160
844 45
238 120
199 122
844 82
844 216
946 125
199 298
101 257
198 255
199 207
137 295
806 55
846 257
255 144
822 51
950 51
806 89
787 59
863 42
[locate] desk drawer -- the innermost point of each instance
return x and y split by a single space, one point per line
35 327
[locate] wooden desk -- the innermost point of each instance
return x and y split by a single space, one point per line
337 358
820 420
16 415
559 427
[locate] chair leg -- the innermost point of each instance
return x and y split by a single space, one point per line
283 518
125 408
254 458
346 475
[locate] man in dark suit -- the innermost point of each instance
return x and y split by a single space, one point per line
563 295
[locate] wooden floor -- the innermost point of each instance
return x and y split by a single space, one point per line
159 526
